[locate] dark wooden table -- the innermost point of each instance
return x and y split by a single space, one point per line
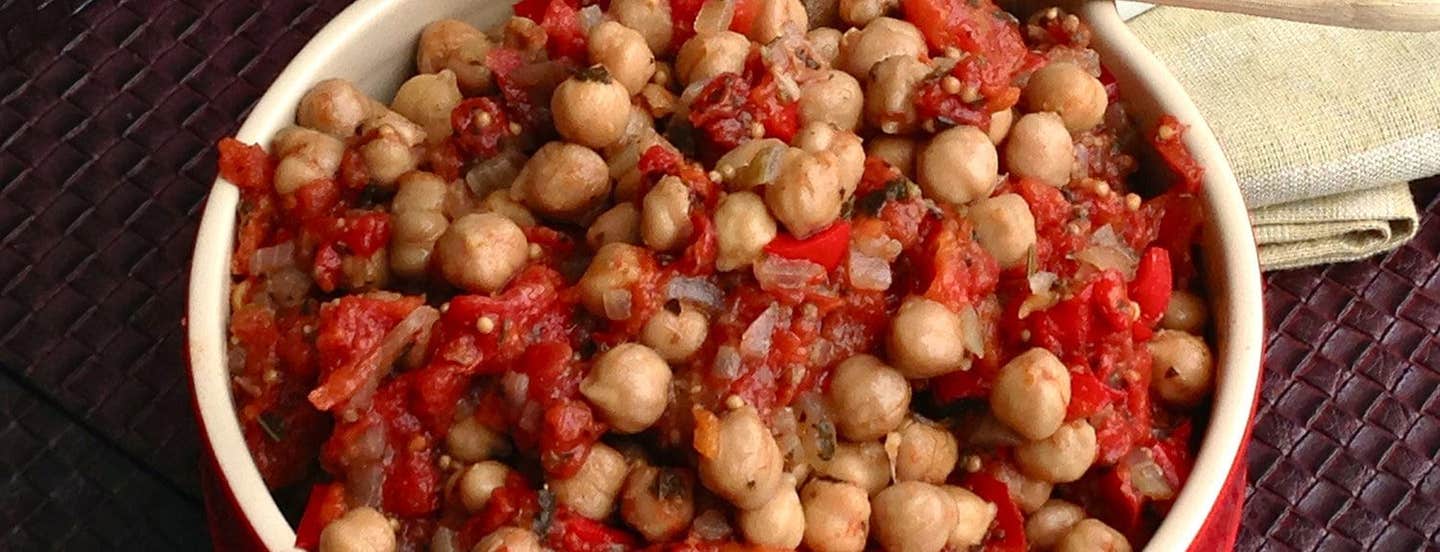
108 110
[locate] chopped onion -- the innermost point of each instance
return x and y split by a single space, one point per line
288 286
727 363
1041 282
971 331
1106 236
988 432
495 173
590 16
275 257
1105 257
714 16
696 290
363 484
816 429
773 271
617 304
755 342
711 525
515 387
876 245
1146 475
445 540
868 272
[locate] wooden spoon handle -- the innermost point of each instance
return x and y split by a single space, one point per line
1384 15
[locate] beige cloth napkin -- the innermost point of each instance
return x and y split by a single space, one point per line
1322 125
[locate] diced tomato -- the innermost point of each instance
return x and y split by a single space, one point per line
745 13
479 124
720 112
1007 534
576 533
1151 288
960 271
515 503
247 166
316 199
566 38
351 329
781 119
1168 141
1087 396
354 174
326 504
682 20
325 269
826 248
699 257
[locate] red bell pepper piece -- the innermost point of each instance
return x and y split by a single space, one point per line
1152 285
1008 533
826 248
326 504
1087 396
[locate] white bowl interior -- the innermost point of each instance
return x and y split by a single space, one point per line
372 44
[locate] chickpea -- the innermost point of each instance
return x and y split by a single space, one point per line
925 339
1185 312
818 137
394 149
807 195
459 47
481 252
335 107
1031 394
362 529
1005 228
835 98
416 221
1062 457
624 53
428 100
1066 89
883 37
1182 370
650 18
709 54
775 16
616 267
898 151
620 224
591 108
676 332
927 452
864 465
825 42
500 203
837 516
630 386
747 464
889 98
509 539
305 156
624 162
563 181
913 517
1029 493
658 502
1039 147
859 13
480 481
743 227
1000 122
525 36
958 166
665 215
471 441
1047 525
591 491
975 515
779 523
1092 535
868 398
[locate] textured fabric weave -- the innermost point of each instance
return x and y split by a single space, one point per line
1323 126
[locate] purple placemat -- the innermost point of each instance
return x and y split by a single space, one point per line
108 110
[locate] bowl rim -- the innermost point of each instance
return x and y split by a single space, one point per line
1238 357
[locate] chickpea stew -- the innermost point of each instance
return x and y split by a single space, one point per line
703 275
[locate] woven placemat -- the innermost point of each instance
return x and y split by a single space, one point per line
108 113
